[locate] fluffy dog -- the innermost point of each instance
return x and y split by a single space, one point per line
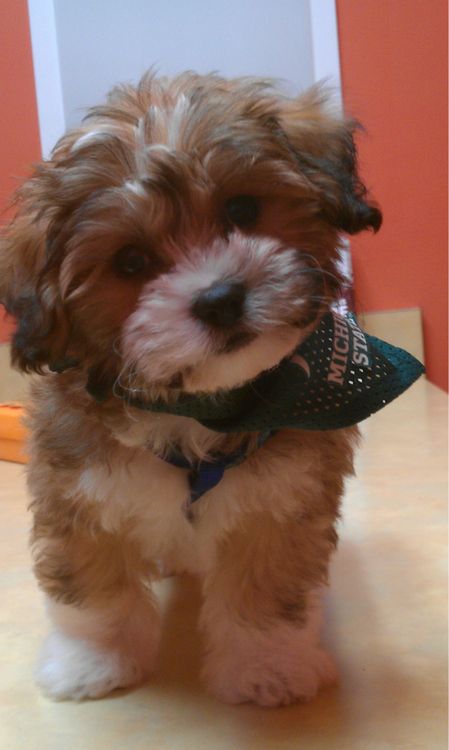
183 240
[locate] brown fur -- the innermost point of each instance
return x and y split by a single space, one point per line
153 168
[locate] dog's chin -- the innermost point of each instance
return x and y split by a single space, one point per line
240 361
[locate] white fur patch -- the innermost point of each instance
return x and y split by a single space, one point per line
94 651
142 491
136 188
227 371
93 136
177 120
74 669
149 495
138 488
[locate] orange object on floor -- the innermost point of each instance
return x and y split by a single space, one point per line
12 434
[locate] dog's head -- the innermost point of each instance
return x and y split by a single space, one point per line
185 236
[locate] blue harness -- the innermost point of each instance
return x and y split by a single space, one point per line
206 474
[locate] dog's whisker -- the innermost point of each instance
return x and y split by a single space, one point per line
115 347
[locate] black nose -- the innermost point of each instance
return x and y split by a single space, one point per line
221 305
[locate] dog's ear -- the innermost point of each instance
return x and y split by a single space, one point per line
322 144
32 249
29 294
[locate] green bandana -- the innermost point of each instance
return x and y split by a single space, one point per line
337 377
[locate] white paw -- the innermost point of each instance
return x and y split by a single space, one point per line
74 669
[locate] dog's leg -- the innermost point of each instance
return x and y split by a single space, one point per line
261 614
106 626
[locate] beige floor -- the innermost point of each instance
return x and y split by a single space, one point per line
386 624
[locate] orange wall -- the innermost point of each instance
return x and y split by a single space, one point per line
394 71
19 132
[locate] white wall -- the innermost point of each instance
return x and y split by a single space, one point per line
44 44
100 42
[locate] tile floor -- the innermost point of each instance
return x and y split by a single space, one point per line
385 622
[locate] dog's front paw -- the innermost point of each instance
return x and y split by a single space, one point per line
268 671
74 669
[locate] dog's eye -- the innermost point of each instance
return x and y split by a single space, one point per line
131 261
242 210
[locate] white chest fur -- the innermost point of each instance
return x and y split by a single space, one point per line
139 491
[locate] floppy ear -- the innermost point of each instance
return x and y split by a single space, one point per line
30 295
322 144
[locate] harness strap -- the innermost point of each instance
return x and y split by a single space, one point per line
206 474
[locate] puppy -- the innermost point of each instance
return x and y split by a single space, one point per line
181 242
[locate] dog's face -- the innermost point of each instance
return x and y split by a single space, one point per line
185 237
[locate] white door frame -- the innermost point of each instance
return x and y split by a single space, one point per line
49 94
